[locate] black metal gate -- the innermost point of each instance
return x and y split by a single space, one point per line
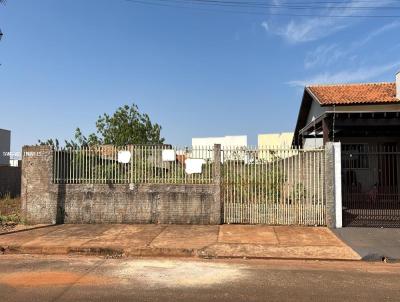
370 182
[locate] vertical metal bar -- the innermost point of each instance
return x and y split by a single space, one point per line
54 165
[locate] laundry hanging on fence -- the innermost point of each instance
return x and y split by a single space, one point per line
168 155
124 157
194 165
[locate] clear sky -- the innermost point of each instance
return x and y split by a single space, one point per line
196 72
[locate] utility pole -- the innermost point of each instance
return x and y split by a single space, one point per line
1 33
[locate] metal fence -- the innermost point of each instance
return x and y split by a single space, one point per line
274 186
278 186
131 164
370 185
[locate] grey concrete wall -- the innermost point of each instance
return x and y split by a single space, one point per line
38 205
144 203
5 139
45 202
10 181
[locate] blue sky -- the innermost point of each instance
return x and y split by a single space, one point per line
197 73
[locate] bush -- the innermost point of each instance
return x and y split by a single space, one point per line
13 218
10 209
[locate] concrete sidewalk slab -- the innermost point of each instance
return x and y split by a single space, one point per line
138 236
251 241
186 236
247 234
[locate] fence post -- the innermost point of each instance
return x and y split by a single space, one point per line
333 182
216 210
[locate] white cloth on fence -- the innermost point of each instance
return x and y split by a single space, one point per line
168 155
124 157
194 165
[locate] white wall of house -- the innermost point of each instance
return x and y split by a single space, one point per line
5 140
316 110
313 143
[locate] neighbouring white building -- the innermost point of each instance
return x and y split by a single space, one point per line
5 142
227 143
224 141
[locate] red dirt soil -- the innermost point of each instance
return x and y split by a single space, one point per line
46 279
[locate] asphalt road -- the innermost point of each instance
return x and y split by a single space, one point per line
55 278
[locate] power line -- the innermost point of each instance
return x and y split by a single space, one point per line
190 4
293 5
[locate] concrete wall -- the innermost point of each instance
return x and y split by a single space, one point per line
5 138
45 202
10 181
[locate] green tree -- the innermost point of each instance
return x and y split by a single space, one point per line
127 126
50 142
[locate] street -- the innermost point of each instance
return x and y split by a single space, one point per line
78 278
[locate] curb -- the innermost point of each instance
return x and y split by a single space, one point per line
113 252
119 252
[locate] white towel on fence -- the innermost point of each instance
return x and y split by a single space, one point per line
194 165
124 157
168 155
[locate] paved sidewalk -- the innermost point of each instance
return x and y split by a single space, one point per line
231 241
372 243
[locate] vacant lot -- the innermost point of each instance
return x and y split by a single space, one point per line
9 213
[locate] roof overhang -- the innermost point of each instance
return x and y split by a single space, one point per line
371 118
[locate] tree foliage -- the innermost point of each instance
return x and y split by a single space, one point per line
127 126
50 142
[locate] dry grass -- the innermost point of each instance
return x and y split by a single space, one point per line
10 209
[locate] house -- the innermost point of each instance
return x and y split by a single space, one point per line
277 140
365 119
5 139
364 112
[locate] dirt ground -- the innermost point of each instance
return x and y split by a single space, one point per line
73 278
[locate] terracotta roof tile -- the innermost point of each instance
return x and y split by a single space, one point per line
373 93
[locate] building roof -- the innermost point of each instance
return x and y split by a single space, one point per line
345 94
